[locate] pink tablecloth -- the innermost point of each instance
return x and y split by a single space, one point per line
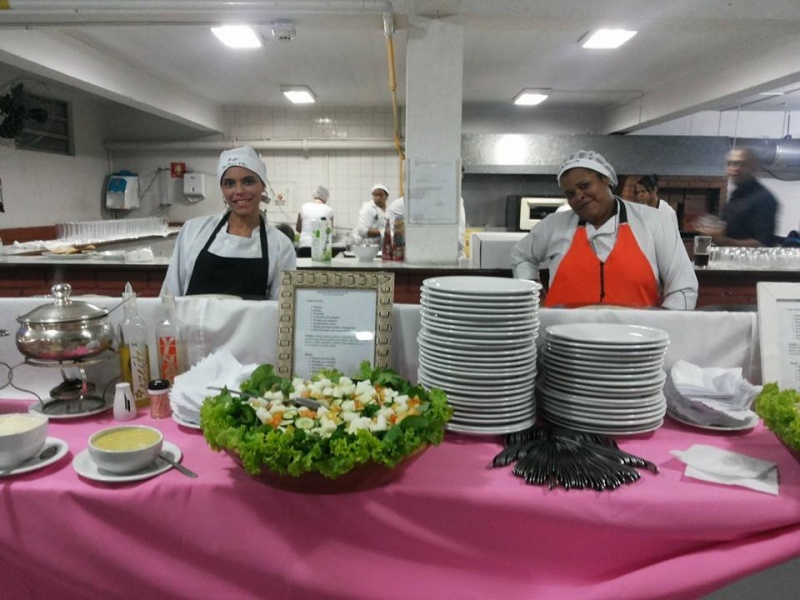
450 528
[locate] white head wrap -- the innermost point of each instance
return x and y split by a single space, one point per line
322 193
588 159
245 157
380 186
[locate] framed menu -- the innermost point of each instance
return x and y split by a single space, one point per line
779 333
334 320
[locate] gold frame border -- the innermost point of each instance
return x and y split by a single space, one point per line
380 281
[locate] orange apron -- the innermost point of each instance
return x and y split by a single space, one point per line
624 279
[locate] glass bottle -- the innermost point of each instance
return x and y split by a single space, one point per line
399 240
134 352
386 248
171 342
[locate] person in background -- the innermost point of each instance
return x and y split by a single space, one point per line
396 210
311 211
237 252
751 212
372 215
605 250
287 229
646 191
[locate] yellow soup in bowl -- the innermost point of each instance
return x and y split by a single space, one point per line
125 440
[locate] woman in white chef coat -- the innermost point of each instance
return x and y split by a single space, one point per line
237 252
372 215
646 191
314 210
606 250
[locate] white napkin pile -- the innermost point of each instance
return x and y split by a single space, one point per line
710 396
709 463
191 388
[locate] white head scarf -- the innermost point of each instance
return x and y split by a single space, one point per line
588 159
380 186
322 193
245 157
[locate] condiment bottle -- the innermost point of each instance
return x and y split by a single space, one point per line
134 353
124 404
399 240
328 252
159 399
386 249
171 342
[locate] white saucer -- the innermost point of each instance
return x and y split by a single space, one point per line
36 408
184 423
749 424
86 467
34 463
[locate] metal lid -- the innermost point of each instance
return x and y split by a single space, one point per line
156 385
63 310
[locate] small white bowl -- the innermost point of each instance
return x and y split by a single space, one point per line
22 436
125 448
365 253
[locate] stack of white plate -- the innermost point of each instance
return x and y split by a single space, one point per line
477 342
604 378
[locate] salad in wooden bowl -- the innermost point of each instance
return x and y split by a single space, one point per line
367 429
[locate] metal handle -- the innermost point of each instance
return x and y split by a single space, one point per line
177 465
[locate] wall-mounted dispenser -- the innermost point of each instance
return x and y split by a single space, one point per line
122 191
194 186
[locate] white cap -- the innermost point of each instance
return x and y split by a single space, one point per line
380 186
245 157
322 193
588 159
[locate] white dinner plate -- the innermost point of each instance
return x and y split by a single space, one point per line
35 463
472 390
472 285
583 380
184 422
490 408
496 402
608 333
491 429
477 367
478 375
559 369
449 326
455 382
487 344
596 391
622 417
479 320
485 310
547 394
604 429
460 418
609 355
594 368
492 335
86 467
478 355
748 424
569 346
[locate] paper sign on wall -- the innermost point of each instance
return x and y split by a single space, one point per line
432 192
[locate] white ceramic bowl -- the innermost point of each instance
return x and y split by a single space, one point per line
22 435
365 253
125 448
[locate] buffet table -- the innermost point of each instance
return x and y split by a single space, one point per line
448 528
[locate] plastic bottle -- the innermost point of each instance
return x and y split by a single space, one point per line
124 404
386 248
134 352
170 341
399 240
328 254
321 247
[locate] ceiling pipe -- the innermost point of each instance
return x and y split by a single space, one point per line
106 12
303 145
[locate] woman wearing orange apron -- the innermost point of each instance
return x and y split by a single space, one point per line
606 250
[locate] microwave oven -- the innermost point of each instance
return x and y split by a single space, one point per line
523 212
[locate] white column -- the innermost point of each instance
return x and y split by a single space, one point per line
434 77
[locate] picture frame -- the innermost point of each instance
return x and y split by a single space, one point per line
779 333
333 319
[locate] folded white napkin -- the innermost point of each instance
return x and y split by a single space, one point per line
709 463
710 396
190 389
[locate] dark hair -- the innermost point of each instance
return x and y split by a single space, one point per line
649 182
287 229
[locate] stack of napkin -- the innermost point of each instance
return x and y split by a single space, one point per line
712 396
190 389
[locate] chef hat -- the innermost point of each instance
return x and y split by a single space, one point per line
588 159
245 157
322 193
380 186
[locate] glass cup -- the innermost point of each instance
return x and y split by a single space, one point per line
702 246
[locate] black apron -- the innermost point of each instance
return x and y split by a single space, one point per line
245 277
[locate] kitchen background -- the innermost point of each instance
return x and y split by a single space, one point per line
42 189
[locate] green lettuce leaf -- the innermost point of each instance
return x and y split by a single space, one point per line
780 410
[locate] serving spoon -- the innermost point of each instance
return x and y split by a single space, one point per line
46 453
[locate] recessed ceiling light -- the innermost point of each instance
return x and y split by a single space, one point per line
607 38
237 36
771 94
528 97
298 94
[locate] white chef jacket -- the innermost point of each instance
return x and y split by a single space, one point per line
195 233
370 216
655 232
310 212
665 207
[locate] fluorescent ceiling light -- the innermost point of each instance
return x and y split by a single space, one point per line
298 94
771 94
528 97
607 38
237 36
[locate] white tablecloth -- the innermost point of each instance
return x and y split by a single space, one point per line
248 329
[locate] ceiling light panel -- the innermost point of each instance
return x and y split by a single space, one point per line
530 97
606 39
237 36
298 94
